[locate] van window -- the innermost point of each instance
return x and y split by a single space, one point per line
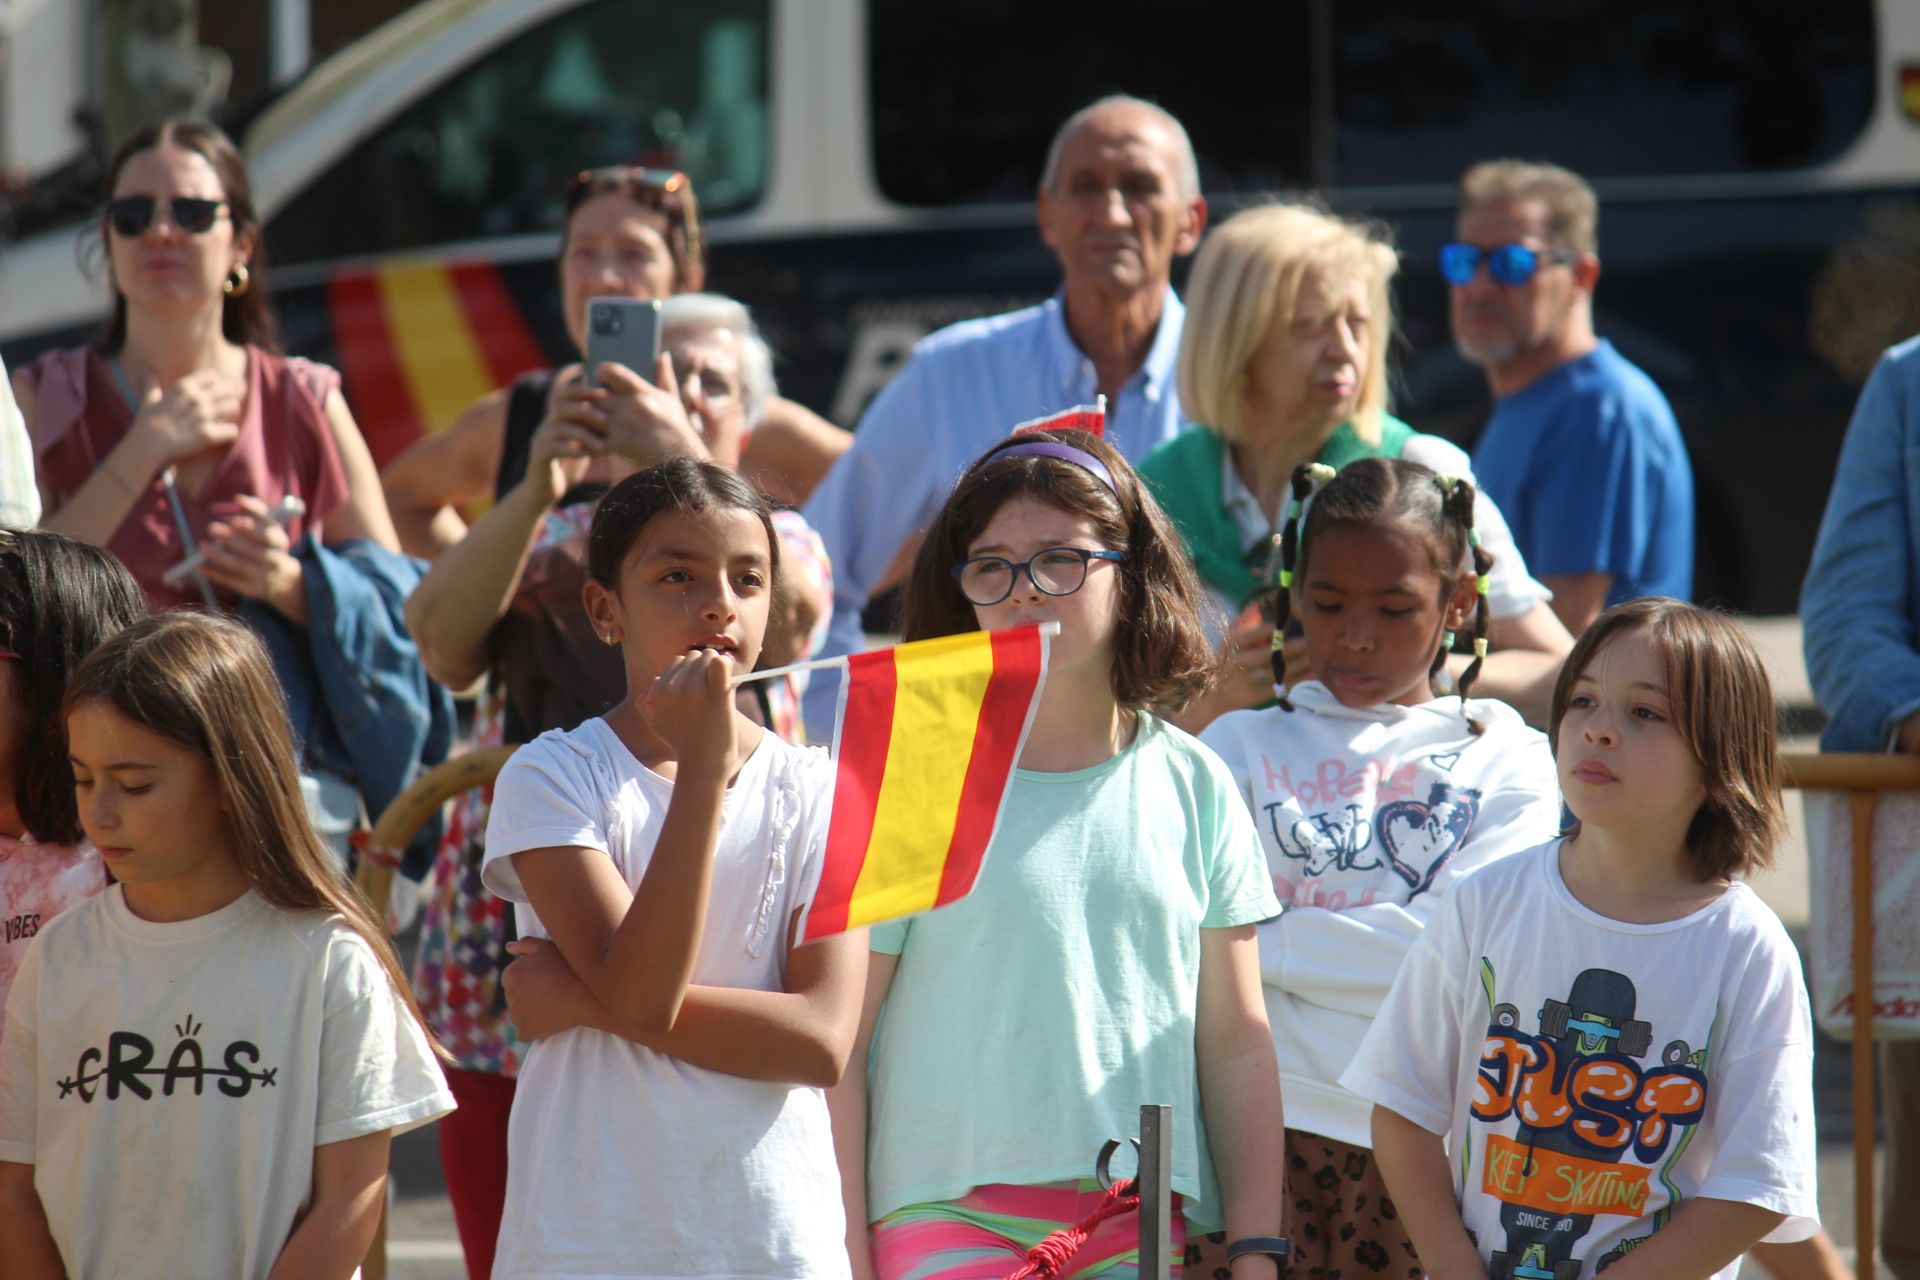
489 151
1684 86
967 93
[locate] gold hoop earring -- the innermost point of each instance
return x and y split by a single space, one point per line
237 282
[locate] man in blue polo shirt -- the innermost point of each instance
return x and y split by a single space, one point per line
1582 453
1119 200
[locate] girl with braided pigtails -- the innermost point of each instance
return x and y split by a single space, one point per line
1373 795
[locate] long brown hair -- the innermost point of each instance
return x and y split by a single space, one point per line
1162 660
59 597
205 682
245 317
1722 706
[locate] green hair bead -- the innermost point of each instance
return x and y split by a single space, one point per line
1473 537
1480 647
1483 584
1286 579
1446 640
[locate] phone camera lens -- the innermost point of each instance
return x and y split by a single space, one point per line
607 320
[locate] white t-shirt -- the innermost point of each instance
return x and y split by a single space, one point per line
623 1161
169 1082
37 883
1654 1064
1368 816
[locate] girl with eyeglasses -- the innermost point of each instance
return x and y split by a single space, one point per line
1106 958
225 474
1284 361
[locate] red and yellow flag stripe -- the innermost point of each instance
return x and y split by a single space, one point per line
928 737
422 339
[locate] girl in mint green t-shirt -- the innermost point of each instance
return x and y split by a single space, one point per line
1106 958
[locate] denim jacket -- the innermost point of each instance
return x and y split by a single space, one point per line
1860 607
360 699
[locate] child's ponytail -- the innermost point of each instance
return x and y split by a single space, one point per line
1308 479
1458 505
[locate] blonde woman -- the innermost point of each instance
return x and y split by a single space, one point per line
1284 361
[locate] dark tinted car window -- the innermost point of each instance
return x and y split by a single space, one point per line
489 151
967 93
1422 90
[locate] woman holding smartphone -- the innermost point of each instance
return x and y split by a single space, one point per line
186 444
632 233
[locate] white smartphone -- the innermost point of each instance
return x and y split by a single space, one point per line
623 331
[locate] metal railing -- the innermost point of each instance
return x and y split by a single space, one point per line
1862 777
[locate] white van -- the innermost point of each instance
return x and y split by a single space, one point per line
867 168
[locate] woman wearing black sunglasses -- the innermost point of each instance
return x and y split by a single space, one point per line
1289 322
184 442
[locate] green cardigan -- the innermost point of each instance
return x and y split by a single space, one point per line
1184 475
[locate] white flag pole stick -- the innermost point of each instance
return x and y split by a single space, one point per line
822 664
818 664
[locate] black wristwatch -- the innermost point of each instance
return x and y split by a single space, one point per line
1279 1248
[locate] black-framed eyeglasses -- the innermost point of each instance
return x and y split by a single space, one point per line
1056 571
195 215
1509 264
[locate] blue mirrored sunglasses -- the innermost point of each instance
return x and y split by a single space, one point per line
1510 264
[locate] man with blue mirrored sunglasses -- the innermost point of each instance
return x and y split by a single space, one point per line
1582 452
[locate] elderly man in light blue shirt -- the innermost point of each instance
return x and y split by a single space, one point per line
1119 200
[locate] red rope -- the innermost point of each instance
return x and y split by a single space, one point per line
1048 1259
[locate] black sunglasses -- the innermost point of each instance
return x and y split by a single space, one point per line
132 215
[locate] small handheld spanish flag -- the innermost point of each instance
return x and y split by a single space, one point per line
926 741
1090 418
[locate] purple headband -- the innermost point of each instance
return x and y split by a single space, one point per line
1054 449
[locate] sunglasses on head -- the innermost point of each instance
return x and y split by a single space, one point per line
1509 264
132 215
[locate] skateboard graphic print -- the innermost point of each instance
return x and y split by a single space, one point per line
1597 1123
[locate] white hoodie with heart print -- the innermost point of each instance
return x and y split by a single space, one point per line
1368 815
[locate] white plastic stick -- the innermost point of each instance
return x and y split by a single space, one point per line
818 664
821 664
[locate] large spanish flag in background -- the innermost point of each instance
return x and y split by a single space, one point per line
925 746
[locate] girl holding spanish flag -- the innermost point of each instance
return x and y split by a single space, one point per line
1106 957
669 1118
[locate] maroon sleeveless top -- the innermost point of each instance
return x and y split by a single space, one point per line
285 446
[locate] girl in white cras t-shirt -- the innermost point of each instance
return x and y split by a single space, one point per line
1599 1055
205 1063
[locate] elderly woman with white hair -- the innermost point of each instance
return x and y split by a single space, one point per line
1284 361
